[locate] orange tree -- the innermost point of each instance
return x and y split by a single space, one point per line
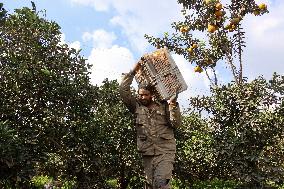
111 137
53 122
195 155
46 103
117 137
224 36
246 127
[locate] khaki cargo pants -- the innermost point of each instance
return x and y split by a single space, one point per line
158 170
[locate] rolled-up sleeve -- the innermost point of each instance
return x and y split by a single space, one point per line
124 89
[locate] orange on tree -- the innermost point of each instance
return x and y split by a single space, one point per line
190 50
228 26
218 13
194 45
262 6
198 69
211 28
218 6
233 26
183 29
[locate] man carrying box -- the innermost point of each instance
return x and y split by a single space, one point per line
155 122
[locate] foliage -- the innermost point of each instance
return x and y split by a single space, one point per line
223 35
195 154
2 13
41 181
247 132
239 139
118 138
46 100
215 184
208 184
54 123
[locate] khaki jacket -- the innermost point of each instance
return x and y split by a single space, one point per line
154 127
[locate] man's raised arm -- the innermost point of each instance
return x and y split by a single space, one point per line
175 114
124 89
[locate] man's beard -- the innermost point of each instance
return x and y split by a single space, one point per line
145 102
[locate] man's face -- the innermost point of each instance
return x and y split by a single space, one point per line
144 97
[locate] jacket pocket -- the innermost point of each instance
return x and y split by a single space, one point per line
141 143
142 137
161 117
141 116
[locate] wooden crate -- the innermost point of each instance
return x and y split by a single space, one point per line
159 69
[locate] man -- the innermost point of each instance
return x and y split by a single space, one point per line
155 122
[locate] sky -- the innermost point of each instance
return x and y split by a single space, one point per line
111 36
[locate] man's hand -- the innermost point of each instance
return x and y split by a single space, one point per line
173 99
